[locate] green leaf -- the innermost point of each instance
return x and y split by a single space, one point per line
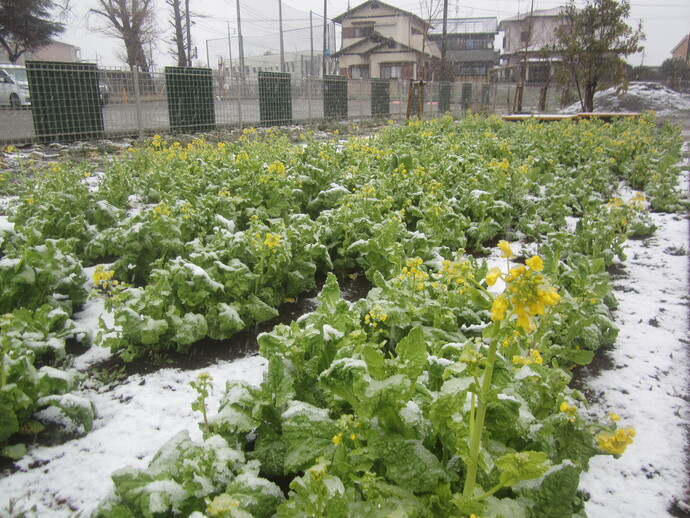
346 379
223 321
330 293
79 410
555 494
420 476
14 452
257 310
505 508
279 383
258 496
9 424
191 328
412 353
308 434
525 465
236 413
56 381
152 330
375 361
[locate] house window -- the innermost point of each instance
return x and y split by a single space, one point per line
416 32
523 36
363 32
472 69
391 71
359 71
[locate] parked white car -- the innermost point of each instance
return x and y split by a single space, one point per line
14 86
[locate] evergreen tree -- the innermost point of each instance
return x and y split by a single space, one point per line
592 41
27 25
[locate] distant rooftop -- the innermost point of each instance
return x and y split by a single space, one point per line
537 13
467 26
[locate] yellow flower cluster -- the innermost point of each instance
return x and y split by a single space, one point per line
160 210
534 357
241 157
187 209
457 273
271 241
277 168
103 279
347 423
157 142
617 442
412 271
375 316
502 166
568 409
527 293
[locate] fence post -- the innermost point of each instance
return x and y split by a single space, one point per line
137 101
240 83
361 97
309 85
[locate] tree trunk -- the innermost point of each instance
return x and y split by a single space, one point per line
589 97
135 52
179 34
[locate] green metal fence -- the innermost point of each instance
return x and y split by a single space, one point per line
79 101
275 98
335 97
65 102
380 97
190 99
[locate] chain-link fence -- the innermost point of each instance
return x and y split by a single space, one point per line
78 101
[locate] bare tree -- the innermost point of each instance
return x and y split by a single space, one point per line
134 22
430 9
178 23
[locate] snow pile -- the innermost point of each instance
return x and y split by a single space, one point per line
640 97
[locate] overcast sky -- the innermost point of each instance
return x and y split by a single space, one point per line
665 22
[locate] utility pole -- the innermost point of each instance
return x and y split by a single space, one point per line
280 27
444 44
230 54
239 40
189 33
311 42
325 26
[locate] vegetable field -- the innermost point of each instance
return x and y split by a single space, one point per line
490 249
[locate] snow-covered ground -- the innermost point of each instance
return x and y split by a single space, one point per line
647 386
640 96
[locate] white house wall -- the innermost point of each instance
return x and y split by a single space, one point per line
542 34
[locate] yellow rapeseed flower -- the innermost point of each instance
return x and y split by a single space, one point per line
493 275
617 442
271 241
505 249
535 263
499 308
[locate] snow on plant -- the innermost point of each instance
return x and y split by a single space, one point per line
203 387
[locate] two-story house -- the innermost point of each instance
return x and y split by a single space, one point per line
682 50
379 40
525 37
470 50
